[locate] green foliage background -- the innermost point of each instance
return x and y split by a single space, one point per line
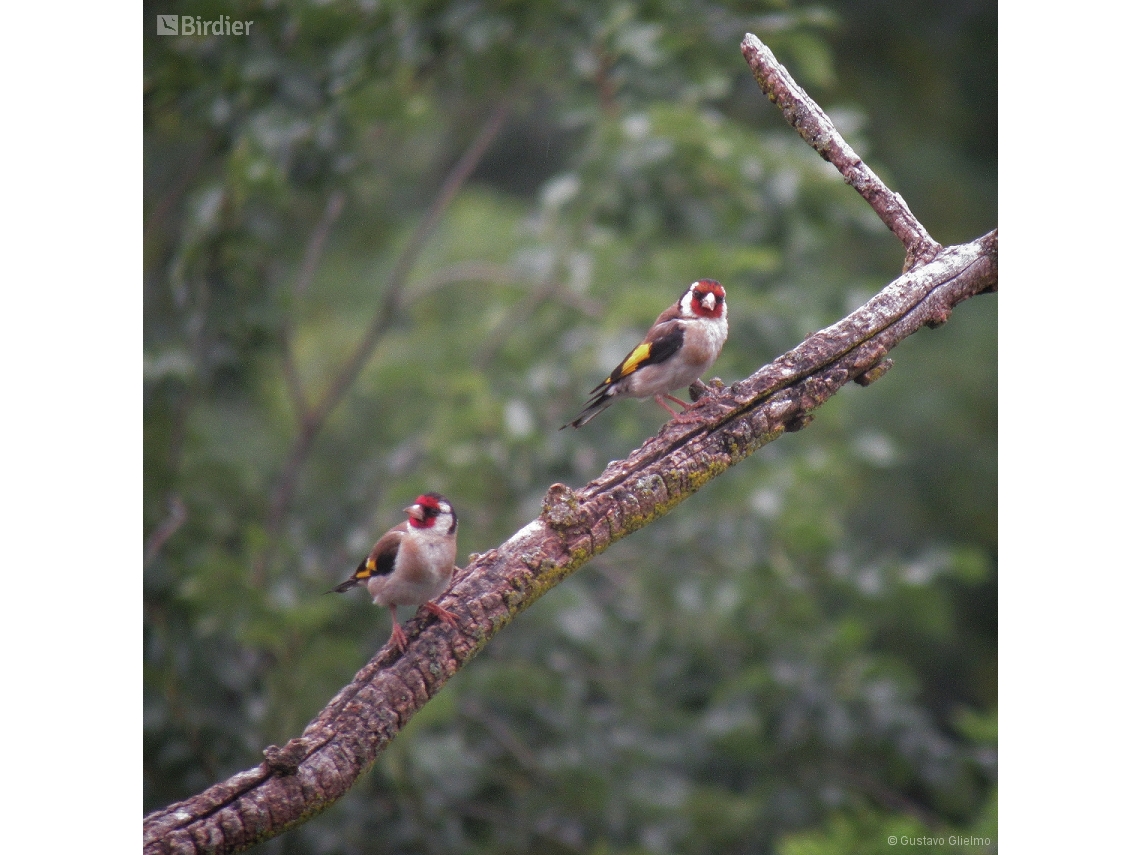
800 659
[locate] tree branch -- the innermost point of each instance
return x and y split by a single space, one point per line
305 776
820 133
175 517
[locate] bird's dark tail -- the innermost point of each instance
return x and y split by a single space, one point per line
344 586
598 403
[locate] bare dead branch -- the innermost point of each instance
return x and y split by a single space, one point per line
820 133
299 780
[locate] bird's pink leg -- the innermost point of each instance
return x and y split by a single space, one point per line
686 416
441 613
398 637
683 404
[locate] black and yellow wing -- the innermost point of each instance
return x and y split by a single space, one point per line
663 342
381 561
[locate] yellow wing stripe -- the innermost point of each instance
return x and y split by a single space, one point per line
634 360
365 570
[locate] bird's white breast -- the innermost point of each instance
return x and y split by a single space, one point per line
703 340
422 570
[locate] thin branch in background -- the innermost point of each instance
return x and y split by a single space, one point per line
175 517
465 271
522 311
588 306
169 199
514 320
314 249
499 274
177 512
887 797
604 82
384 317
502 733
820 133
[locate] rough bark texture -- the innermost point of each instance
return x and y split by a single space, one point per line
820 133
310 772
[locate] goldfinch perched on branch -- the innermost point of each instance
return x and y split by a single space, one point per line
412 563
682 344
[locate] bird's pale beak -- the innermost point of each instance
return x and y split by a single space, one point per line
709 301
415 511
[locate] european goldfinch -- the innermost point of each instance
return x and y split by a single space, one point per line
682 344
412 563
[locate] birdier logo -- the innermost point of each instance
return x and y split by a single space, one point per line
193 25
